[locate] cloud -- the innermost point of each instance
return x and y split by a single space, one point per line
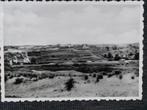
92 24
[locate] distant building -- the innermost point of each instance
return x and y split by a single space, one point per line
85 46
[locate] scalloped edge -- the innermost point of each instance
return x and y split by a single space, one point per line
141 3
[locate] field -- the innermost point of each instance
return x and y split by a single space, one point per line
92 71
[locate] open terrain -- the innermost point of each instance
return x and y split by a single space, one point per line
72 71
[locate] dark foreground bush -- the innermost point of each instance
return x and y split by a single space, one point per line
110 75
117 72
18 80
6 78
104 73
132 77
86 77
69 84
120 76
94 75
98 78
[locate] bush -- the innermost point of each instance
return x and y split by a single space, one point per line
86 77
100 76
18 80
109 55
94 75
120 76
97 79
110 75
117 72
117 57
6 78
104 73
69 84
33 61
132 77
136 57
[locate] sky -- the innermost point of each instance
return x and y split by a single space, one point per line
44 24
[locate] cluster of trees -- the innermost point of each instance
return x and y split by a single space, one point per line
117 57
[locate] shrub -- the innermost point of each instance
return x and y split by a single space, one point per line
120 76
105 55
100 76
18 80
6 78
69 84
97 79
136 57
132 77
117 72
104 73
33 60
32 75
86 77
110 75
117 57
110 55
94 75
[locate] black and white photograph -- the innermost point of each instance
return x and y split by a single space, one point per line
69 50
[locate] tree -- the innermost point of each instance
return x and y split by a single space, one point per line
86 77
117 57
105 55
136 57
109 55
33 60
107 48
69 84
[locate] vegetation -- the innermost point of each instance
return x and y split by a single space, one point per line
86 77
69 84
94 75
117 57
120 76
132 77
18 80
90 66
117 72
136 57
51 76
110 75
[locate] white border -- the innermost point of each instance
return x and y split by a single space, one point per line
79 98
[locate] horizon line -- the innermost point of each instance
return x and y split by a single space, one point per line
73 44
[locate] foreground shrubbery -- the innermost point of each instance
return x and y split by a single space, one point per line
86 77
69 84
18 80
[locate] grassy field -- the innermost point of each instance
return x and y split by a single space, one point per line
25 82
